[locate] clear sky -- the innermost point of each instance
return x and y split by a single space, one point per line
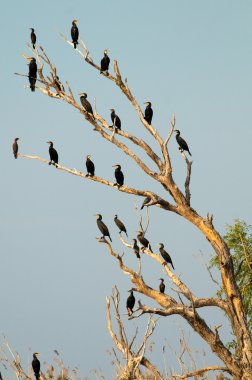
191 58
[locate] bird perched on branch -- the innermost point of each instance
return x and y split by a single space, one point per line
75 33
145 202
148 113
36 366
90 166
15 147
181 142
33 38
85 103
165 255
58 84
102 227
105 62
120 225
53 154
130 303
115 119
118 175
136 248
32 73
162 285
145 243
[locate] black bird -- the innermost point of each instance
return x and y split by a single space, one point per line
1 376
33 38
53 154
75 33
118 175
58 84
162 285
148 113
32 73
130 303
165 255
182 143
120 225
102 227
36 365
105 62
145 243
85 103
90 166
145 202
136 248
115 119
15 147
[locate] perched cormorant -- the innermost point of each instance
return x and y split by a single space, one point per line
75 33
165 255
162 285
148 113
118 175
36 365
105 62
115 119
33 38
102 227
90 166
32 73
58 84
145 202
53 154
85 103
15 147
145 243
136 248
182 143
120 225
130 303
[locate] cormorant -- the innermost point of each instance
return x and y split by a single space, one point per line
120 225
148 113
182 143
33 38
58 84
102 227
75 33
165 255
130 303
36 365
90 166
105 62
53 154
143 240
162 285
118 175
85 103
145 202
115 119
32 73
136 248
15 147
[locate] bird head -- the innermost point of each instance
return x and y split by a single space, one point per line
32 29
83 94
49 142
177 131
148 103
161 245
116 166
115 215
98 216
88 156
130 291
112 110
134 240
35 354
75 22
30 59
17 138
161 279
106 51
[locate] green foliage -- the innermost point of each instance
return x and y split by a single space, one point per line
239 240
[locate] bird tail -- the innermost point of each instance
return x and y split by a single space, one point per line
15 155
33 47
172 266
110 238
150 248
32 87
189 152
75 44
37 375
126 233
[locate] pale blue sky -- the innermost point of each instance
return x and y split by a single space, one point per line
191 58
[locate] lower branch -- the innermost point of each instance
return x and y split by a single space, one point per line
200 372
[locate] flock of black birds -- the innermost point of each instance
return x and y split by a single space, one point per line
144 244
119 176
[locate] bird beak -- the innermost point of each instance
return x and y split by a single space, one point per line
175 130
114 166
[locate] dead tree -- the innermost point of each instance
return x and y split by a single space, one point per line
180 204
